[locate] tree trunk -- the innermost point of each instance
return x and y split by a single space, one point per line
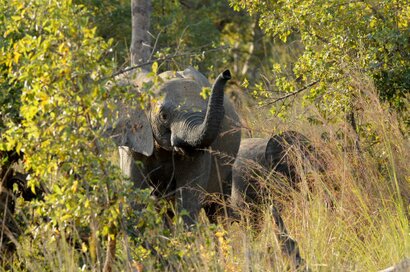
110 256
254 48
140 40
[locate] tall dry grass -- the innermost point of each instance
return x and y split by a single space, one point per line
354 216
365 227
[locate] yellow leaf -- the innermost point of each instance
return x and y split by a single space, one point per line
205 92
43 96
105 230
66 217
16 57
372 23
75 186
84 247
277 68
245 83
19 146
155 68
16 18
61 48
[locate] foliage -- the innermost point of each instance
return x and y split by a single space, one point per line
113 21
197 32
178 28
55 108
175 29
54 62
340 38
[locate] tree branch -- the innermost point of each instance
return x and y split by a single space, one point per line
291 94
122 71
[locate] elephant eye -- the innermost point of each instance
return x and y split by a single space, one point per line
163 116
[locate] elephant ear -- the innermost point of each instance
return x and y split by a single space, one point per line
128 123
273 150
133 130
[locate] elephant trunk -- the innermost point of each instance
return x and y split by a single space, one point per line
202 134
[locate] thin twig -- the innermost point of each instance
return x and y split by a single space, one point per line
180 38
291 94
155 45
167 58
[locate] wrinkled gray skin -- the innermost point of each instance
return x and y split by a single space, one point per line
269 156
186 130
263 156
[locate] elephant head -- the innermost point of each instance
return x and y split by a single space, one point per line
181 119
279 154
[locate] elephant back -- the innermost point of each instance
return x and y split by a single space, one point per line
256 149
182 92
188 73
198 77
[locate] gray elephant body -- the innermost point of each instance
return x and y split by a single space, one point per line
276 155
258 157
155 171
196 141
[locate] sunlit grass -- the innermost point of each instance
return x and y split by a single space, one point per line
354 217
366 226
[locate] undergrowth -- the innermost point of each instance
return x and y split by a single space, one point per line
354 216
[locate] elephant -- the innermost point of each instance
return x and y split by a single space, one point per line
259 156
276 156
185 143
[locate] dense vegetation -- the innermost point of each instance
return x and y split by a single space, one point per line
339 72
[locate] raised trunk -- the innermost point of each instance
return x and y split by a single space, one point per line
203 134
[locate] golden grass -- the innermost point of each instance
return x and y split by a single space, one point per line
367 227
355 219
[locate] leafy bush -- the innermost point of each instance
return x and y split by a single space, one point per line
340 38
55 107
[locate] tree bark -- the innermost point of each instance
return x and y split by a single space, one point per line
255 48
110 256
140 40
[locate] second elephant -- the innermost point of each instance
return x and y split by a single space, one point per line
278 157
257 158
